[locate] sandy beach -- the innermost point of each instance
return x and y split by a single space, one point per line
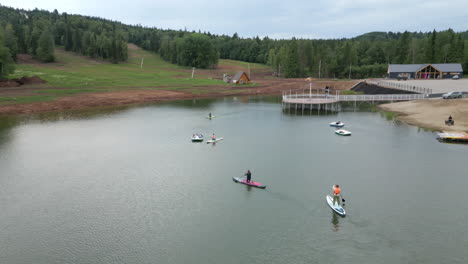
432 113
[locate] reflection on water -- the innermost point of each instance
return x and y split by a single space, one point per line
335 222
6 124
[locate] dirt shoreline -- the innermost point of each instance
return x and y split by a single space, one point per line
141 96
432 113
85 101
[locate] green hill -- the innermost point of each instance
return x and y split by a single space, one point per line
75 74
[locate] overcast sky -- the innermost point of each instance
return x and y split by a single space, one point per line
276 19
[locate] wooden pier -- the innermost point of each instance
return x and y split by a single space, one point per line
328 102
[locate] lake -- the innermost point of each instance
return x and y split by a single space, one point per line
126 185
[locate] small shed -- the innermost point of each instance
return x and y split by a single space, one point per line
240 78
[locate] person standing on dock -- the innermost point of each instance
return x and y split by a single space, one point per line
336 194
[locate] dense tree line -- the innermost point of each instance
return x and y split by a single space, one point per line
6 61
37 31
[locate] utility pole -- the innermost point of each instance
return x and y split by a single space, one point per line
320 66
349 71
248 64
141 64
279 71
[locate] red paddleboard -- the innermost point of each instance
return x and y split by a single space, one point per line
251 183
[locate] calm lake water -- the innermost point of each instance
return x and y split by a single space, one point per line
128 186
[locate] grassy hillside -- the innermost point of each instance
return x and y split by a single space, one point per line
73 71
75 74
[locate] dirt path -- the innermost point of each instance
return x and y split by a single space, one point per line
432 113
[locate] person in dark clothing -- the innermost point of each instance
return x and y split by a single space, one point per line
449 121
209 115
249 175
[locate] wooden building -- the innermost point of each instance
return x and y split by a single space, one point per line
240 78
425 71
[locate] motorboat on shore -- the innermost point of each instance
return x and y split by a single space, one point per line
343 132
337 124
197 138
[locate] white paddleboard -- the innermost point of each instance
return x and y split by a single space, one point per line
214 141
337 208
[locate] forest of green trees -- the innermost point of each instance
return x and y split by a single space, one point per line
38 32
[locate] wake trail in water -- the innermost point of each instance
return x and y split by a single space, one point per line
302 204
228 114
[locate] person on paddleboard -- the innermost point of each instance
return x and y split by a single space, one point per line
209 115
249 175
213 137
336 194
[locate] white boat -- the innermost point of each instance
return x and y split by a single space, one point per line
337 124
343 132
197 138
214 140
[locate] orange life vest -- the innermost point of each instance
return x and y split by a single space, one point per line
336 191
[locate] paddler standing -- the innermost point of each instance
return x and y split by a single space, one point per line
209 115
213 137
336 194
249 175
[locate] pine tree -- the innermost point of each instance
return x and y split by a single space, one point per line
6 62
45 49
11 41
403 48
430 49
292 62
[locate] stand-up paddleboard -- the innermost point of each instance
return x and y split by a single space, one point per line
343 132
214 141
251 183
210 117
197 138
337 124
337 208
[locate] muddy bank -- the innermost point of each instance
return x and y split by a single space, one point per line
21 81
137 95
127 97
432 113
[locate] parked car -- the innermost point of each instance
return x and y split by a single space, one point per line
452 95
455 77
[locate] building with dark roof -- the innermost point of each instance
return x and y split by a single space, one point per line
240 78
424 71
